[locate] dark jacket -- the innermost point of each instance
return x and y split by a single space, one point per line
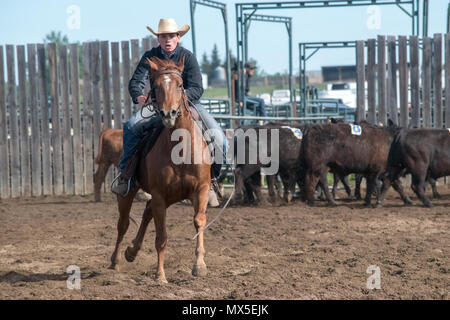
192 78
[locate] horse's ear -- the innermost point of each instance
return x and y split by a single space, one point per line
154 66
180 64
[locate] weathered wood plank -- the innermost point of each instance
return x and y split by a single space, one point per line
415 80
87 122
116 85
25 173
403 75
66 121
58 186
392 80
382 112
447 80
106 84
13 125
4 159
95 76
371 81
126 78
360 82
426 82
77 137
47 174
36 171
437 62
106 80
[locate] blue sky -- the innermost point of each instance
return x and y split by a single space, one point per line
25 21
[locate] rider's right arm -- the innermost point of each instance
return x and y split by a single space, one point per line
138 80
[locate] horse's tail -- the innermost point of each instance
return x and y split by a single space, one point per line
100 146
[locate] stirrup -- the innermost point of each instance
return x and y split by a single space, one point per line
216 187
128 184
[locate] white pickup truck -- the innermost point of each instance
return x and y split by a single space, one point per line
344 91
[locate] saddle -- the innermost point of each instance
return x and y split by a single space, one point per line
148 141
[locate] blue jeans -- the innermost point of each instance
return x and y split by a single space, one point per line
259 103
134 130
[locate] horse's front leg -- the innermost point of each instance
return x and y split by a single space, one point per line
159 217
200 202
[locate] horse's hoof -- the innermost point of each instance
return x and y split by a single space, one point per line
429 205
114 267
128 255
199 271
161 280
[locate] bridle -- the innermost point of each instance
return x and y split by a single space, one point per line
154 107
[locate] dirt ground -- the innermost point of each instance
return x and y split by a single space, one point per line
283 252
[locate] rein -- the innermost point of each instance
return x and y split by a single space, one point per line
149 102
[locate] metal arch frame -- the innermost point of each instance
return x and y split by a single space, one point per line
448 18
241 8
223 8
248 18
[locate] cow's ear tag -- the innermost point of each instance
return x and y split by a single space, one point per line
356 130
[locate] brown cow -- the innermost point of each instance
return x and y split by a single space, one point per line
110 149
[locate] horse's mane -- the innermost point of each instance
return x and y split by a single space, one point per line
164 64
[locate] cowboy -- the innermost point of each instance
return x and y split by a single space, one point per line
168 36
251 102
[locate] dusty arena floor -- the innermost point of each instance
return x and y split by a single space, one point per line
284 252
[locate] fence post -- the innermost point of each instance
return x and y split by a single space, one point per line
95 78
76 116
106 85
371 81
36 171
66 123
56 127
447 80
126 78
360 82
437 53
13 125
116 85
382 114
392 80
415 79
426 82
88 123
403 74
4 168
47 174
23 121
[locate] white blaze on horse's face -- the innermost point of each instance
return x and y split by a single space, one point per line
167 80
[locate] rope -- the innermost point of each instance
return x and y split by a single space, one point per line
216 217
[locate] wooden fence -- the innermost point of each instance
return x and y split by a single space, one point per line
401 89
53 102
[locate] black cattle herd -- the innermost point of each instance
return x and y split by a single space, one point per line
380 154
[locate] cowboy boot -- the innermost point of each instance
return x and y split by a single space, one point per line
123 186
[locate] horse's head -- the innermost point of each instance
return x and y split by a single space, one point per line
168 86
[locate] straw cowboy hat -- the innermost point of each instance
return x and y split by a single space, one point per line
168 25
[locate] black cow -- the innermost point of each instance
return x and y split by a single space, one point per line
425 153
289 148
334 146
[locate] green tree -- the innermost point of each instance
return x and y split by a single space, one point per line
56 37
205 65
215 60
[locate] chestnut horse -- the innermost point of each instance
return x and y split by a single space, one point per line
167 182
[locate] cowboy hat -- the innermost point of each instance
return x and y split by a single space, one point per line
168 25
